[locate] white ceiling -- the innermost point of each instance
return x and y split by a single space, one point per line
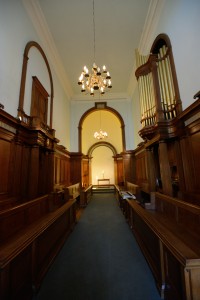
119 26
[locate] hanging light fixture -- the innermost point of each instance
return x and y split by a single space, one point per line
98 79
100 135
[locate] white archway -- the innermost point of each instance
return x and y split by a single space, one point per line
102 164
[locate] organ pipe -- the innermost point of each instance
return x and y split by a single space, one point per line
147 89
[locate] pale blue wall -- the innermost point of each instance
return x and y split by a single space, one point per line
16 30
180 21
122 106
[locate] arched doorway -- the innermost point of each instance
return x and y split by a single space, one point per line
102 163
101 106
99 156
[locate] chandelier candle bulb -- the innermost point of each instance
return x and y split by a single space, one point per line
102 90
108 76
98 71
92 92
83 88
96 80
94 66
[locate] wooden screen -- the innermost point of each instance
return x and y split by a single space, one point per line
39 101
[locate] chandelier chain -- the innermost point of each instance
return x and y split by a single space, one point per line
97 80
100 135
94 33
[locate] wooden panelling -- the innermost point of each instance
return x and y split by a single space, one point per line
195 145
21 276
174 274
129 166
85 171
26 161
5 150
86 195
27 248
171 164
181 212
120 171
61 167
141 170
149 243
39 101
169 238
14 219
75 167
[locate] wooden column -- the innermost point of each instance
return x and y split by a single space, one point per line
16 172
75 167
26 150
129 166
50 182
188 163
151 170
33 173
165 171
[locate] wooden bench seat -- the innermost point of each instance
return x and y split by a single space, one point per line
28 234
186 236
18 217
86 195
170 242
73 191
30 246
134 189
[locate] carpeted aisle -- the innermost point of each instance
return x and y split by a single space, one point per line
100 260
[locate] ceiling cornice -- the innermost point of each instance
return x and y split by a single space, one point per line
148 33
36 15
108 96
153 16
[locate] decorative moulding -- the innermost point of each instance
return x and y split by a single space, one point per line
35 13
152 18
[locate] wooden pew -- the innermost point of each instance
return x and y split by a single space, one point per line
134 189
72 192
86 195
169 237
31 235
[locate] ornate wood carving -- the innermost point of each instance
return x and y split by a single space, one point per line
39 102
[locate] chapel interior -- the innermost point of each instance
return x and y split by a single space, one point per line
148 154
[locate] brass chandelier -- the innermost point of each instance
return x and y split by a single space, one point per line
97 80
100 135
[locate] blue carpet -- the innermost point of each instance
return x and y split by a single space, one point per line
100 260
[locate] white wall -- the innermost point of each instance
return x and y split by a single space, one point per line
102 165
136 117
122 106
180 21
16 30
